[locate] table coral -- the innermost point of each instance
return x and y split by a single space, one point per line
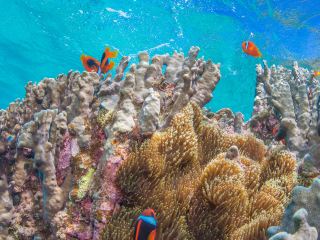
204 183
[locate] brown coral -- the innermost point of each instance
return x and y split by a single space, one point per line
204 183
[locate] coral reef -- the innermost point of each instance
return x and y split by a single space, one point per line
302 230
290 97
82 155
204 183
287 113
61 145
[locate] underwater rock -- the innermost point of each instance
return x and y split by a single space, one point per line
302 230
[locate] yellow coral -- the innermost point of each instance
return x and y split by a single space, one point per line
84 183
104 117
204 183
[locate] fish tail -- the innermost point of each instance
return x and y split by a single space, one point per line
152 235
110 54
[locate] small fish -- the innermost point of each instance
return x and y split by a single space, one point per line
93 65
251 49
146 226
90 64
316 73
107 65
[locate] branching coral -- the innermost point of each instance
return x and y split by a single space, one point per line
204 183
291 98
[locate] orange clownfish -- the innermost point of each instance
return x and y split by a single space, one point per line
251 49
316 73
146 226
93 65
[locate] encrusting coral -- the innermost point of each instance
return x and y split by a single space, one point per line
302 230
203 183
6 207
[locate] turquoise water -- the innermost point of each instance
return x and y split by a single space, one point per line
42 38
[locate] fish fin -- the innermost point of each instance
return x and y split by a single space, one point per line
111 65
110 54
247 44
152 235
105 56
113 54
108 67
137 230
82 57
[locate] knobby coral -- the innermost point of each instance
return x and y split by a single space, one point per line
302 230
203 183
307 198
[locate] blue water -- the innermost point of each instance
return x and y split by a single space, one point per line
42 38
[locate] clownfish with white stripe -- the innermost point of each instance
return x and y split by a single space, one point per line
251 49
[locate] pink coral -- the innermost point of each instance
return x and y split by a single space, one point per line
80 232
64 158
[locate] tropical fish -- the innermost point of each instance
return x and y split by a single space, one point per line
251 49
90 64
316 73
93 65
105 64
146 226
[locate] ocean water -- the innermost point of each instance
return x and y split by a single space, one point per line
43 38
